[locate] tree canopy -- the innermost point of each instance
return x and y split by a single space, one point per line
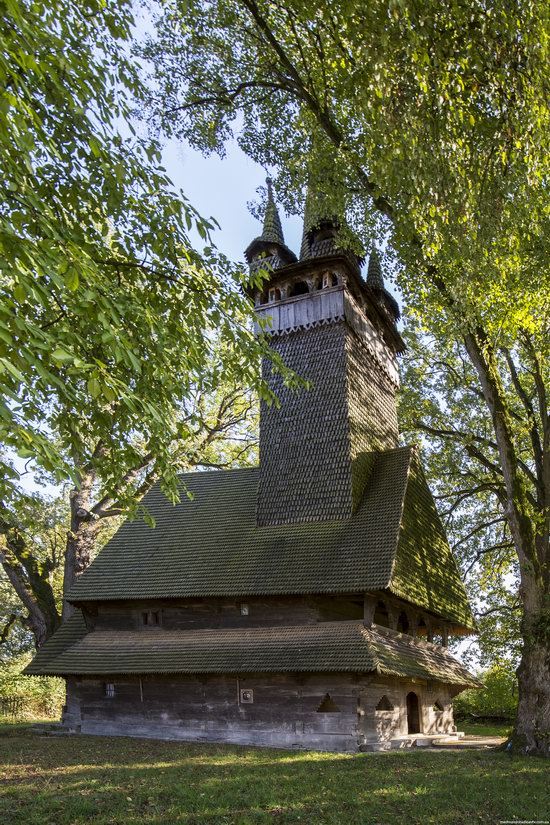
123 350
422 128
109 318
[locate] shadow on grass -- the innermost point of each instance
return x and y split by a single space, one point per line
99 780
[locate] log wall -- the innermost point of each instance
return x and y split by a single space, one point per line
195 614
285 711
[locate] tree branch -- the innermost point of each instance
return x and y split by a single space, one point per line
477 529
533 432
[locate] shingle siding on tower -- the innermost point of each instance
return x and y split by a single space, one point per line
315 450
304 443
372 411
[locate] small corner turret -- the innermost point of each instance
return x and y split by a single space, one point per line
269 251
375 283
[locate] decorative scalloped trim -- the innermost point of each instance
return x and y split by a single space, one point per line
311 325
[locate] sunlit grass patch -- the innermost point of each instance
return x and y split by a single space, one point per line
101 781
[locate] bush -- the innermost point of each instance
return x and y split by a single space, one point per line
497 699
29 697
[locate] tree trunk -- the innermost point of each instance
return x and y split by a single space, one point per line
528 526
81 539
532 726
39 622
29 579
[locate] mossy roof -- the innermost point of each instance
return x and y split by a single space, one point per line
327 646
210 545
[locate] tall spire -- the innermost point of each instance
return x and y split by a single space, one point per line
307 227
269 248
375 279
320 233
272 230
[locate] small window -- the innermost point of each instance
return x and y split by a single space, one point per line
438 706
330 279
299 288
381 615
150 618
109 690
403 622
262 297
328 705
384 704
244 610
246 696
274 295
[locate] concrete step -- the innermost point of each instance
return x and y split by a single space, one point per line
479 742
400 742
374 747
421 740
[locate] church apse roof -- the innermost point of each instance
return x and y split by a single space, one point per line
210 545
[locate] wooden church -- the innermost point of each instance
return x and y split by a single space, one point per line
304 603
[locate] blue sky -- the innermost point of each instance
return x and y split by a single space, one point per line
221 188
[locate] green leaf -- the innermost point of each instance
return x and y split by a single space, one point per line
94 387
95 146
20 292
71 278
61 356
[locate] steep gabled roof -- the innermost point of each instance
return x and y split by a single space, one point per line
328 646
211 546
424 570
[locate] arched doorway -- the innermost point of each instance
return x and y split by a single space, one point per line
413 713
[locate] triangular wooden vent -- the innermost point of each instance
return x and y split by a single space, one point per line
328 705
384 704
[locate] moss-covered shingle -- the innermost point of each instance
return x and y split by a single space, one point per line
211 546
324 647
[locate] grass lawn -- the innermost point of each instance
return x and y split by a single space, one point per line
84 779
485 729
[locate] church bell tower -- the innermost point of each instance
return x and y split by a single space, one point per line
338 331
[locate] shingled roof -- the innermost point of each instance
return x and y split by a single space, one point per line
328 646
271 238
211 546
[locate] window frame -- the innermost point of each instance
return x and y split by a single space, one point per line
145 616
109 690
